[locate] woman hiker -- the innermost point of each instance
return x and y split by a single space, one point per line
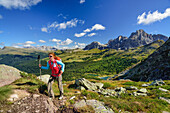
55 64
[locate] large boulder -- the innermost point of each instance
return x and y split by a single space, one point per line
8 74
86 84
44 78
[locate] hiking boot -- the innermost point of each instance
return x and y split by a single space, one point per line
61 97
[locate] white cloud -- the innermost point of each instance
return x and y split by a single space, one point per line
26 44
91 34
29 42
152 17
18 4
82 1
79 35
1 32
1 16
44 29
55 40
98 27
63 25
42 41
76 46
87 30
66 42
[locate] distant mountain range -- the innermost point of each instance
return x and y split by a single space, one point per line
136 39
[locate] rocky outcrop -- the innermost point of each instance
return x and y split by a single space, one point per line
95 45
8 74
98 106
44 78
84 84
117 43
156 66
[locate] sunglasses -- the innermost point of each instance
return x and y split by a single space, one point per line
50 56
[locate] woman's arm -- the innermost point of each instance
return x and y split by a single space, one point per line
62 65
43 67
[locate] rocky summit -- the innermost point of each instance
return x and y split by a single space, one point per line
136 39
95 45
156 66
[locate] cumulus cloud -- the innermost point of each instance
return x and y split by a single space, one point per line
29 42
44 29
55 40
152 17
79 35
91 34
82 1
18 4
87 30
42 41
26 44
98 27
66 42
1 17
63 25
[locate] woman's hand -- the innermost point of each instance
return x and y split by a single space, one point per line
39 65
61 72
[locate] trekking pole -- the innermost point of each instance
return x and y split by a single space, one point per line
40 72
39 63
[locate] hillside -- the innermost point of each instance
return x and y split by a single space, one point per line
156 66
80 63
28 94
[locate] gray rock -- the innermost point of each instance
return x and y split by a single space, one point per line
44 78
99 106
165 99
120 90
165 90
159 82
87 84
142 90
139 94
81 88
8 74
36 95
131 88
79 104
72 97
99 85
145 85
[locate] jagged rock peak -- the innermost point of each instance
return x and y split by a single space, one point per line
95 44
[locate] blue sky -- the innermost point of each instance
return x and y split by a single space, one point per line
76 23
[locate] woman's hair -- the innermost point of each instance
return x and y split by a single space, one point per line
55 57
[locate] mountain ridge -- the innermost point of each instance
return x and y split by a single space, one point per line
136 39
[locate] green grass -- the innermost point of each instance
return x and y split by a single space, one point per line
5 91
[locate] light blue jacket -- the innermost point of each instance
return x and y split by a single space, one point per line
58 62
